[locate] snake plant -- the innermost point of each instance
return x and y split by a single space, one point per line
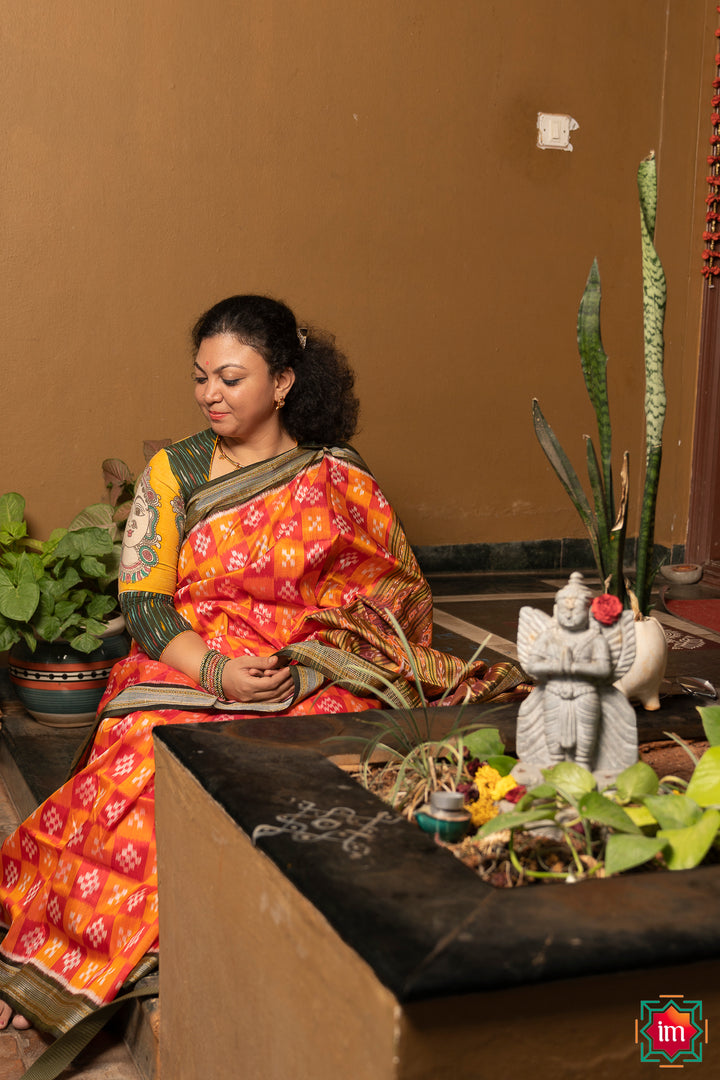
606 519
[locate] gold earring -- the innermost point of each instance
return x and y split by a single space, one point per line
279 404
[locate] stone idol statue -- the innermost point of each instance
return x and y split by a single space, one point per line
575 713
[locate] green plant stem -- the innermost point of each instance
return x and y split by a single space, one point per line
646 538
524 872
568 840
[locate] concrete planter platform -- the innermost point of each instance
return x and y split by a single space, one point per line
310 932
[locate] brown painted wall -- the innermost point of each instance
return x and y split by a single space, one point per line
375 165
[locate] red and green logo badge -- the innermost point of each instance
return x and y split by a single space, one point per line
670 1031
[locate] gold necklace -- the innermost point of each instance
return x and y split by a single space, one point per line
235 464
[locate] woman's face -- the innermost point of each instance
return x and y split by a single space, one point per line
235 390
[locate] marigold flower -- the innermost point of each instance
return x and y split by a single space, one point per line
606 609
500 790
486 777
482 810
491 788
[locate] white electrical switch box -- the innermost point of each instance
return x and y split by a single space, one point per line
554 131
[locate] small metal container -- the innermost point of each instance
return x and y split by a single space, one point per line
445 815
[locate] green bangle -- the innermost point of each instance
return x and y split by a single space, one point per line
211 669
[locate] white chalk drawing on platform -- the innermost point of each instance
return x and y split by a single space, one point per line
676 639
341 825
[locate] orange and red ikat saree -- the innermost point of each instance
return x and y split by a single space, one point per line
304 555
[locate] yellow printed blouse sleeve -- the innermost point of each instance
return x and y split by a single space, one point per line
148 567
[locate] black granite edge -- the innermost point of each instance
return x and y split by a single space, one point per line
565 554
425 923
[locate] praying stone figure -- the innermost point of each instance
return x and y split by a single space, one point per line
575 713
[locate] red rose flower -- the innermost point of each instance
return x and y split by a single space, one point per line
606 609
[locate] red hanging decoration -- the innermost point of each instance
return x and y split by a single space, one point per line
711 235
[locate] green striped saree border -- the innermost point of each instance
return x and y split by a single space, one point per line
142 697
50 1006
229 492
352 672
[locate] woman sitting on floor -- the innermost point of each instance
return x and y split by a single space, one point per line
260 565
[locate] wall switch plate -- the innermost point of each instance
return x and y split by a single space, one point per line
554 131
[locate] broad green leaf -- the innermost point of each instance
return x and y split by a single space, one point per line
637 781
84 542
64 609
47 627
59 588
10 533
9 634
571 780
19 594
689 846
704 786
640 815
604 811
624 851
513 819
97 515
85 643
12 509
710 716
542 791
502 763
673 811
100 605
484 743
92 567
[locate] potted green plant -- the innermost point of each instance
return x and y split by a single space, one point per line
606 516
59 611
56 599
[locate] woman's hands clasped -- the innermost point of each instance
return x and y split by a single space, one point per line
257 678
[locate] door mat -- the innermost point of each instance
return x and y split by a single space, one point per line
700 612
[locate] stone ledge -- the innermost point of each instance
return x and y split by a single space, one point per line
417 916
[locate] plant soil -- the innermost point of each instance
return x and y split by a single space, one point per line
551 859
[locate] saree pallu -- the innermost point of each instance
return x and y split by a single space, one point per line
307 558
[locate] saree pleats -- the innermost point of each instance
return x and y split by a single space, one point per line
312 561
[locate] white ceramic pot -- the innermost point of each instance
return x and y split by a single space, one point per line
642 682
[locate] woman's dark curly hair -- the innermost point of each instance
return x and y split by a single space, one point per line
321 406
